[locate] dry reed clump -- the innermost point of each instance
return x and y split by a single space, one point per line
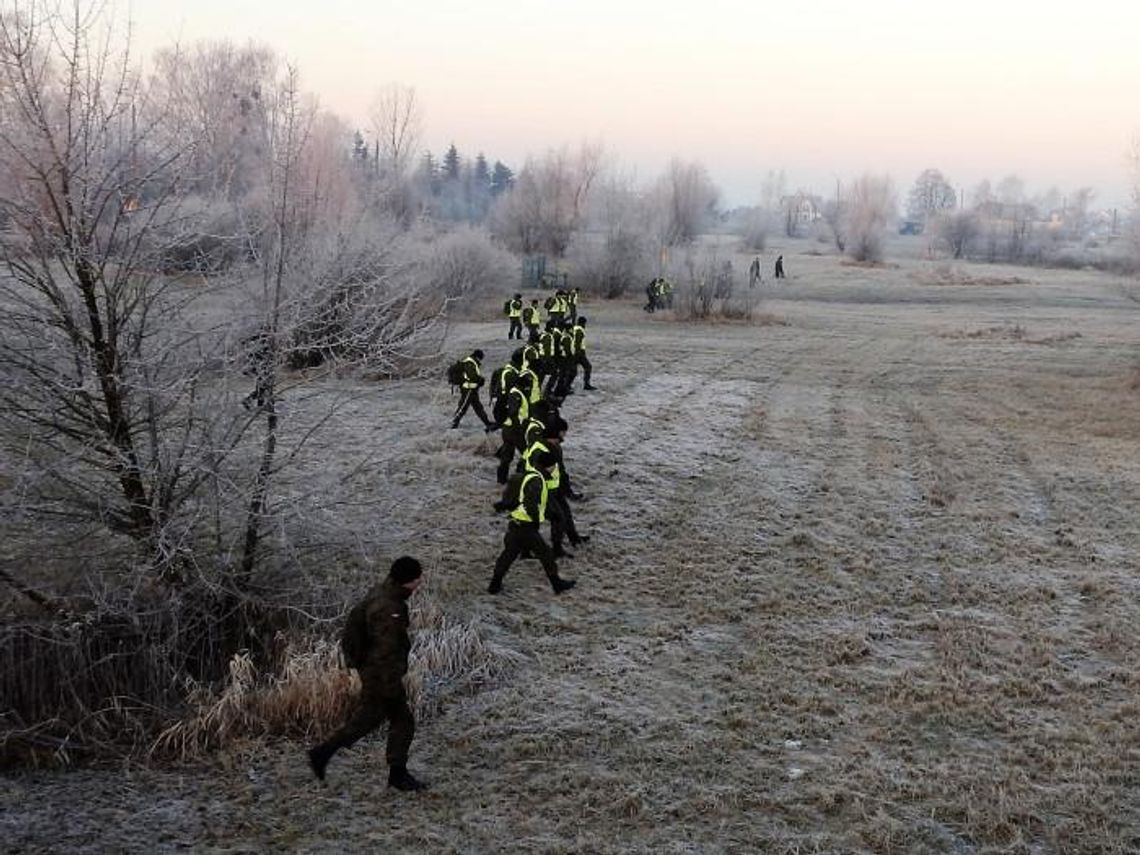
313 692
103 683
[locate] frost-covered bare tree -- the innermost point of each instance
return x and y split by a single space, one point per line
617 249
870 209
835 215
930 196
214 93
547 203
686 199
120 388
396 118
99 386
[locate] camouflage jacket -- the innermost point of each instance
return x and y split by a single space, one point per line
386 660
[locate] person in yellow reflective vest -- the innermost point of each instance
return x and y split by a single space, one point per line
528 381
523 527
501 379
562 378
516 412
556 307
572 300
547 349
531 355
514 312
557 485
579 333
469 391
532 317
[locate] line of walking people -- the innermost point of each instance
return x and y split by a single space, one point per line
526 396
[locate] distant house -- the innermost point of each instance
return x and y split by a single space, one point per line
802 208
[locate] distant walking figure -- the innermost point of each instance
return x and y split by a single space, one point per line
780 268
754 274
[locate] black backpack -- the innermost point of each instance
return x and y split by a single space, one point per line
507 307
455 373
354 637
497 382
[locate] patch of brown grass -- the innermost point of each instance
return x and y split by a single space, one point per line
869 265
1011 332
945 274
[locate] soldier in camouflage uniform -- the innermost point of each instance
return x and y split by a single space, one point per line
382 663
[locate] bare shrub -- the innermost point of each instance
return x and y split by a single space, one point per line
753 228
366 302
610 265
870 208
465 263
957 231
706 290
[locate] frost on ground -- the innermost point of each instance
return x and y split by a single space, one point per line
861 582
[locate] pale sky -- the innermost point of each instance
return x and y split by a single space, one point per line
823 89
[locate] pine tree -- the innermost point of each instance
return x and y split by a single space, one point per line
482 175
501 178
451 164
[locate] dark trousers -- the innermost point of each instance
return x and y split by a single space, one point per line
516 329
586 368
567 372
470 398
531 331
377 704
520 537
561 521
512 439
555 380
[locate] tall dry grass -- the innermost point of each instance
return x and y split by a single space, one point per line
313 692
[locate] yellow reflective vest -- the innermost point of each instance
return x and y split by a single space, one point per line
520 513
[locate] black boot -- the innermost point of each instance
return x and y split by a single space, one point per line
400 778
319 756
495 586
559 585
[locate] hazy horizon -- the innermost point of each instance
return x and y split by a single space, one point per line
822 93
